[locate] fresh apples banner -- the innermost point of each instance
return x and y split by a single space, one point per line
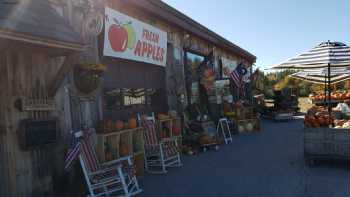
128 38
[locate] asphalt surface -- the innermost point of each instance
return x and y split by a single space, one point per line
269 164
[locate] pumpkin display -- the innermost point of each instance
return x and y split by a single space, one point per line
336 96
123 150
132 124
318 116
119 125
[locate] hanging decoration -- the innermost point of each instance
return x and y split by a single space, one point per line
93 23
87 76
208 78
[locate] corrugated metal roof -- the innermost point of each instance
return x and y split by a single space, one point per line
38 19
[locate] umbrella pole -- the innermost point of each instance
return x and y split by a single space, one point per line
329 92
325 90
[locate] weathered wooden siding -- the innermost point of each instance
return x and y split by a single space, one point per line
4 173
25 73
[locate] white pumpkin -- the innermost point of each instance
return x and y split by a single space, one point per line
346 125
240 128
249 126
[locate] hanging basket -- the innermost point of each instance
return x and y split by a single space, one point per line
87 77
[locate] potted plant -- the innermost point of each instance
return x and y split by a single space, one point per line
87 76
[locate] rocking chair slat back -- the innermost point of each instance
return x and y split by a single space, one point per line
89 156
150 132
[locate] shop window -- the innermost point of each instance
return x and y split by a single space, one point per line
193 65
120 98
193 62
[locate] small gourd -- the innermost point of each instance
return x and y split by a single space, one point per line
132 123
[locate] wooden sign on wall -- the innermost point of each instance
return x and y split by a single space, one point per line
36 133
44 104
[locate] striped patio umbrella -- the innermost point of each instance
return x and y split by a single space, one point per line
333 54
325 55
320 75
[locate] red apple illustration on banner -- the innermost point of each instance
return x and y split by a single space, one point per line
121 36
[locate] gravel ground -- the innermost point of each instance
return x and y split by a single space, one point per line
255 165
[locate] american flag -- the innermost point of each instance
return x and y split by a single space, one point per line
73 153
236 77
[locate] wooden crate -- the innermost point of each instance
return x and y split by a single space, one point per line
138 142
169 124
243 123
244 113
139 163
132 138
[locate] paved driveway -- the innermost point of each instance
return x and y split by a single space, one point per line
267 165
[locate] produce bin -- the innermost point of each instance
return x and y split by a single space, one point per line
326 143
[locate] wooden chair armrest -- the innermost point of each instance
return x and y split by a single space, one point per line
170 139
104 170
116 161
151 145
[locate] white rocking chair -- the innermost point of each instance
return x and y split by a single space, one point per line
159 154
225 129
114 178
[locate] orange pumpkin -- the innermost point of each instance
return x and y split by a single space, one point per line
123 150
132 123
321 121
119 125
108 126
108 156
343 96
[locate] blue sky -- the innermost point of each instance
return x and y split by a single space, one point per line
273 30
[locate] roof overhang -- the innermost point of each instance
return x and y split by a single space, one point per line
40 41
173 16
37 23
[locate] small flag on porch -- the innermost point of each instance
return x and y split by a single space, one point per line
236 77
72 154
